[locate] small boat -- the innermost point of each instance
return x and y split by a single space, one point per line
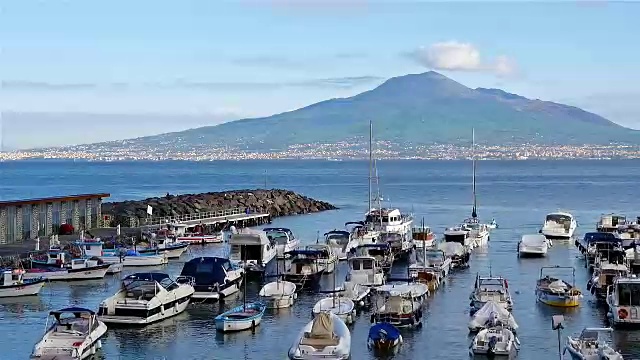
115 268
432 268
243 317
325 337
603 277
384 337
490 315
131 257
306 270
213 278
14 284
458 234
195 235
478 232
252 250
493 224
340 241
341 306
559 225
145 298
494 288
327 258
423 236
624 309
77 269
496 341
533 245
555 292
278 294
365 271
284 240
71 337
399 304
590 346
381 252
359 294
458 253
172 248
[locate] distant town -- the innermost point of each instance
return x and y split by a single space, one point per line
357 149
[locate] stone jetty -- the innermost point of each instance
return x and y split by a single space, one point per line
275 202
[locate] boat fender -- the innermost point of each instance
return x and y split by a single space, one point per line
162 309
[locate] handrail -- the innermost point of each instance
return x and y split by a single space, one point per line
192 216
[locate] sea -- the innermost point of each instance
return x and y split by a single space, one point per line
517 194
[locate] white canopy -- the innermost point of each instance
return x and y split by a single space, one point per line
490 310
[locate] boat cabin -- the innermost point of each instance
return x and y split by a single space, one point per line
365 270
250 246
12 277
381 252
423 233
209 274
609 223
337 238
73 321
558 220
390 220
357 229
305 261
279 236
90 248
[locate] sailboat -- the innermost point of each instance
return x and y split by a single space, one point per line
337 304
478 232
243 317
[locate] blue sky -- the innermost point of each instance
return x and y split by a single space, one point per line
221 60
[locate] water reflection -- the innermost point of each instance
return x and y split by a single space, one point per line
21 305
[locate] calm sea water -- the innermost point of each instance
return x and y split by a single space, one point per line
517 194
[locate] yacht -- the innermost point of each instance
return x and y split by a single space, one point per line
284 240
381 252
591 346
494 288
71 337
13 284
213 278
252 250
610 223
327 258
478 232
340 241
306 268
145 298
533 245
459 234
559 225
624 302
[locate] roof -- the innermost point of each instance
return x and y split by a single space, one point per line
560 213
53 199
337 232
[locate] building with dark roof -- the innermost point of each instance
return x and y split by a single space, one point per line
28 219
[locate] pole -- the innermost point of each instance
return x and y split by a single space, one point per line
265 179
559 344
370 160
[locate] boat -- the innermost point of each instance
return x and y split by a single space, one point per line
76 269
340 241
533 245
306 269
14 284
591 346
490 315
610 223
252 250
494 288
559 225
284 240
610 250
494 341
359 294
458 234
194 235
278 294
624 308
493 224
71 337
458 253
380 252
213 278
556 292
418 292
115 268
131 258
172 248
603 277
324 337
593 237
326 257
145 298
337 304
366 271
423 236
478 232
384 337
399 306
434 267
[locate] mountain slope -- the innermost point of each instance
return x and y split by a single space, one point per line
417 109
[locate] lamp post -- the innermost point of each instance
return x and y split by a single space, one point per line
557 325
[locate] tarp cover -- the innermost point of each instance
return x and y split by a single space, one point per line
322 327
383 331
482 316
451 248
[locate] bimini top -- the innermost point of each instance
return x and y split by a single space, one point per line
207 270
74 310
361 223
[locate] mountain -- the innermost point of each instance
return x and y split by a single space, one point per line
416 109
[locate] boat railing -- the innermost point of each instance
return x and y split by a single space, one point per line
193 216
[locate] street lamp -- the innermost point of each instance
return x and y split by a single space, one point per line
557 324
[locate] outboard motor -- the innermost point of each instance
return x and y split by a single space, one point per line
491 347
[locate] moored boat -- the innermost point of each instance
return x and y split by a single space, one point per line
172 248
252 250
14 284
624 308
423 236
278 294
490 315
284 240
76 269
591 346
380 252
325 337
494 341
340 241
494 288
533 245
384 337
458 253
326 257
339 305
213 278
559 225
243 317
556 292
611 223
130 257
306 269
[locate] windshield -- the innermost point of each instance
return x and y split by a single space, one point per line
278 238
338 239
560 219
629 294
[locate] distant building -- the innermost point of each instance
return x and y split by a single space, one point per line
28 219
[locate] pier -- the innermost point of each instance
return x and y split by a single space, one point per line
239 217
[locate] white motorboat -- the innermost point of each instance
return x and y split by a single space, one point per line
533 245
478 232
366 271
496 341
168 246
423 236
325 337
494 288
212 278
131 258
306 268
77 269
340 241
611 223
559 225
14 284
252 250
458 253
380 252
71 337
327 258
359 294
399 305
339 305
278 294
458 234
145 298
624 308
284 240
490 315
591 346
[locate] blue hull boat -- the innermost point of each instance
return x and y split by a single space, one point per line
384 337
241 317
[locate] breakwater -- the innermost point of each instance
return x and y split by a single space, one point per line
275 202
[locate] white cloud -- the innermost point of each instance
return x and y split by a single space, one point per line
457 56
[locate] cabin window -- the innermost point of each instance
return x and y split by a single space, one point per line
629 294
356 265
367 265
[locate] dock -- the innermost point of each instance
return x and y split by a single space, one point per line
239 217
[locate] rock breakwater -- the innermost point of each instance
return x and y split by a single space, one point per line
275 202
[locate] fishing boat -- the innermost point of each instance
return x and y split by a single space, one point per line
131 257
384 337
432 268
591 346
399 304
559 225
145 298
603 277
556 292
423 236
339 241
252 250
326 257
172 248
76 269
458 253
284 240
380 252
244 317
534 245
325 337
306 270
494 341
490 315
278 294
624 307
494 288
365 271
194 235
213 278
71 337
14 284
336 304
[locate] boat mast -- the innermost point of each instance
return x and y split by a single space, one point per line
474 213
244 273
370 162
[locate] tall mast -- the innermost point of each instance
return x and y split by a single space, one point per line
474 214
370 161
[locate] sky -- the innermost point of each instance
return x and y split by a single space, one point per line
183 64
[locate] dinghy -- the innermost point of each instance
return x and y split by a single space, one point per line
494 341
326 337
359 294
13 284
340 306
491 314
71 337
243 317
384 336
590 346
556 292
278 294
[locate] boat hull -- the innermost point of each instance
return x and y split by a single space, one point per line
97 272
213 295
225 322
558 300
172 252
28 289
115 268
145 260
140 321
207 239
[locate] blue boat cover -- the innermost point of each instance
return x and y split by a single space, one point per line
383 331
207 270
150 276
599 236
